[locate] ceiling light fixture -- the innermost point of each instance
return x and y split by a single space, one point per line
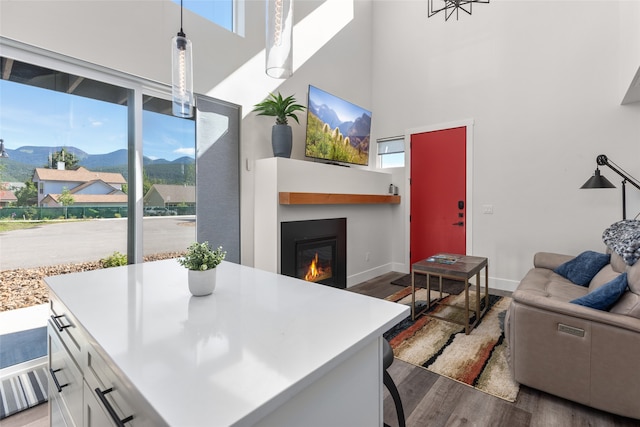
279 48
182 73
451 6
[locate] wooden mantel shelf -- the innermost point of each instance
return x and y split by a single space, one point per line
288 198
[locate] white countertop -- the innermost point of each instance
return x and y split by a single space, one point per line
228 358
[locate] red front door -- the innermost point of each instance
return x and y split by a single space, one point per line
438 190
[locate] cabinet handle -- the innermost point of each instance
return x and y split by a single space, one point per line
55 380
59 325
109 408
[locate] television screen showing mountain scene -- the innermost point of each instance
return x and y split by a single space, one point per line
337 130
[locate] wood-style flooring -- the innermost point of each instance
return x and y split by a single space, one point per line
432 400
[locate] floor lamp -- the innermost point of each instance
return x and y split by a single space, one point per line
599 181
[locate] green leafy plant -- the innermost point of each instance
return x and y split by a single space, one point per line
201 256
280 108
116 259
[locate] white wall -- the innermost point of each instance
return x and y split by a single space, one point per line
543 81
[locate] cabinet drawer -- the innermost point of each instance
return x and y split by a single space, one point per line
68 329
56 416
95 414
65 385
113 397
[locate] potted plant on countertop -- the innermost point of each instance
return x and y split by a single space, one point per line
280 108
201 260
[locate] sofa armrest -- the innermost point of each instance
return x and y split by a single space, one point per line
565 308
550 260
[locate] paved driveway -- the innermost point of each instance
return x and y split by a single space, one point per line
68 242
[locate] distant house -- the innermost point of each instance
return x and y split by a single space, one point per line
87 188
170 195
6 197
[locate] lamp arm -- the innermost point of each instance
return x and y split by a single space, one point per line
602 160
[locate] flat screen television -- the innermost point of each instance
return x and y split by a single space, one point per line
337 130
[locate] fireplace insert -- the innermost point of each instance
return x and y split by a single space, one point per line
315 251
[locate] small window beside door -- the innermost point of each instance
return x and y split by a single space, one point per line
391 152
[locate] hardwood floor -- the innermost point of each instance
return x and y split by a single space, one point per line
431 400
37 416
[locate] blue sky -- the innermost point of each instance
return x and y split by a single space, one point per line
345 110
39 117
218 11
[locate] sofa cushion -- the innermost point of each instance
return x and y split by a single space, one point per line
546 283
617 262
584 267
633 278
605 296
604 276
627 305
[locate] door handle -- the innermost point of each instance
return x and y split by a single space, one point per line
459 223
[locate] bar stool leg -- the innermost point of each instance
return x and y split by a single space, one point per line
391 386
387 360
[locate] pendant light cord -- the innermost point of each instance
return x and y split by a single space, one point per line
181 33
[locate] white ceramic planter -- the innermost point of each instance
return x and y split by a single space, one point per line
202 283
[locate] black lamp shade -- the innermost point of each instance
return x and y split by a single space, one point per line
598 181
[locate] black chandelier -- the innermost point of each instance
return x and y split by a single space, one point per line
451 6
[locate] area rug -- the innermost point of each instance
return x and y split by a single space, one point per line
478 359
23 391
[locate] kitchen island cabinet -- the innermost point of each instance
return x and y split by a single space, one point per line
262 350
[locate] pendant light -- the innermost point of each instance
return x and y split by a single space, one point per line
279 47
182 73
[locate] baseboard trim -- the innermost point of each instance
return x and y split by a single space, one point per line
368 274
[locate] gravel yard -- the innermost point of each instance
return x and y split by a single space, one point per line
25 288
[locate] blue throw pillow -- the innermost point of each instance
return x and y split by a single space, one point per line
584 267
606 295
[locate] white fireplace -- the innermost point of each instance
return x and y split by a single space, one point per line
369 233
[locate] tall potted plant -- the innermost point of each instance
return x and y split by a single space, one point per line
282 109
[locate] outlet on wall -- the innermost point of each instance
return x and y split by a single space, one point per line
367 255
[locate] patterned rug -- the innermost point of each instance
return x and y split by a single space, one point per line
23 391
477 359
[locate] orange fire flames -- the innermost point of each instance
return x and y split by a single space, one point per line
316 272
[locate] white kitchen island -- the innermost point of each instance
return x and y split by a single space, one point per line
263 349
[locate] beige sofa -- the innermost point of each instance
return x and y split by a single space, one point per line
578 353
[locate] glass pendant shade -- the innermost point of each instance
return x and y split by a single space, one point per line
182 76
279 48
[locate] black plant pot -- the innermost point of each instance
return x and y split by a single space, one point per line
281 138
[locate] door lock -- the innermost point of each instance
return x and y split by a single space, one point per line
459 223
